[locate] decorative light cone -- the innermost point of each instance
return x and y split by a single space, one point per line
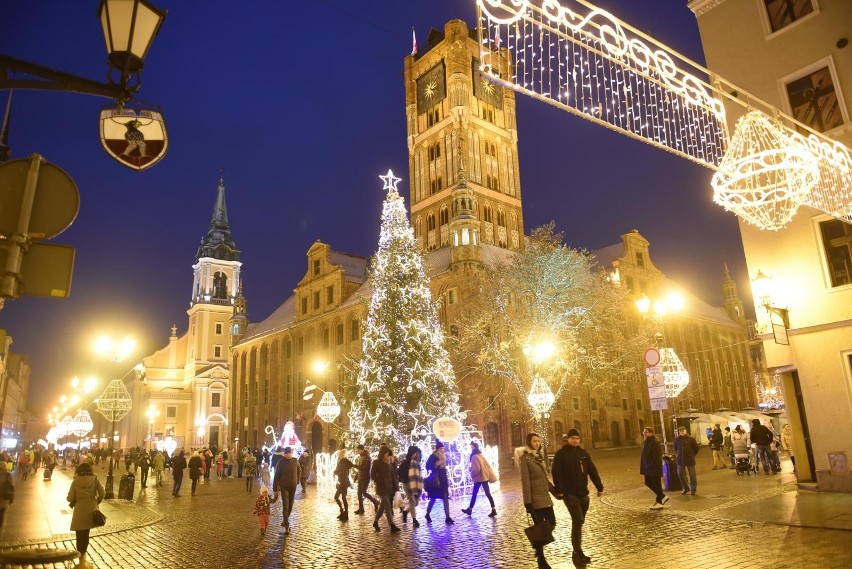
82 424
765 174
675 374
541 398
328 408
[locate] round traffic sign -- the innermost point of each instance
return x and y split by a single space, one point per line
652 357
55 204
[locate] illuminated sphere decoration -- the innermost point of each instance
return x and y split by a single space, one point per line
541 398
328 408
765 175
82 423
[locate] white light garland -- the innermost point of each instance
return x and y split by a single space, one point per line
328 409
82 423
541 397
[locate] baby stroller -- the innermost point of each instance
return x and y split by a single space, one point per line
745 463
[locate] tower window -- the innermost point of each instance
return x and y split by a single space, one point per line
487 214
316 300
640 259
430 222
329 295
305 305
433 116
316 267
445 216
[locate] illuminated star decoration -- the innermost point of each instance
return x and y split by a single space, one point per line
390 181
431 89
487 86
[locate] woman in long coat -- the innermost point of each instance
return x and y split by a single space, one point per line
195 470
536 489
84 495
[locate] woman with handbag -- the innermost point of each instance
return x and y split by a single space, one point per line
437 484
84 495
537 502
481 473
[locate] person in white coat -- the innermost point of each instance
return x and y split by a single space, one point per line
481 473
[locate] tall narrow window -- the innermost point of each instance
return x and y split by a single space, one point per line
837 244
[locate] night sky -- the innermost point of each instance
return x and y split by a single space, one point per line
302 104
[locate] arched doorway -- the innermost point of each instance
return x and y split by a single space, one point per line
616 433
316 437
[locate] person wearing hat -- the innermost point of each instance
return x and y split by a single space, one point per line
572 468
84 495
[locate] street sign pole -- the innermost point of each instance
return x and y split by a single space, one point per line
18 240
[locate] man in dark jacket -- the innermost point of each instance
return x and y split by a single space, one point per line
364 463
651 467
287 475
686 447
178 466
716 443
572 468
762 437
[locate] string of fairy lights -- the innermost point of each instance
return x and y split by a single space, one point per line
593 65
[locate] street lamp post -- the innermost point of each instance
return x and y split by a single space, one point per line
115 402
152 413
540 397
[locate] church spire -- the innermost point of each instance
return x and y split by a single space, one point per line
733 305
218 243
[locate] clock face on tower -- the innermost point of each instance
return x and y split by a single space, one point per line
431 87
486 90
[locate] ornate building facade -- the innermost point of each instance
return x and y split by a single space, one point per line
466 210
183 390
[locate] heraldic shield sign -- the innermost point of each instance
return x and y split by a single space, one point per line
135 137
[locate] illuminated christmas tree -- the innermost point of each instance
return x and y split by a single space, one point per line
405 380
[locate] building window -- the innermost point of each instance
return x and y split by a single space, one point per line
813 100
434 116
300 347
837 244
326 338
316 300
628 282
354 330
288 387
217 351
288 349
516 435
316 267
638 404
215 399
444 216
514 403
558 429
593 404
452 296
218 328
339 333
454 331
329 295
305 305
265 391
640 259
575 403
624 404
782 13
171 412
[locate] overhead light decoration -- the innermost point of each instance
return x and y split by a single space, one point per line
541 397
82 423
328 408
674 372
765 175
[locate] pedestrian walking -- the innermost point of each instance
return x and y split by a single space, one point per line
144 466
651 467
717 441
241 463
195 470
220 466
364 464
262 509
787 443
178 466
728 447
762 438
482 474
572 468
437 483
84 495
159 467
536 489
341 472
412 482
207 456
250 471
384 476
287 475
7 491
686 447
307 463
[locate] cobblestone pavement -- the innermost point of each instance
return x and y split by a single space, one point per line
216 529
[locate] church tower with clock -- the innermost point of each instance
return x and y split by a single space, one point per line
461 133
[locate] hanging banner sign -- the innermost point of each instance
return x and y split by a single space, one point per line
135 137
659 405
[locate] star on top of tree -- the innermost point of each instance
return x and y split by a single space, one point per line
390 181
